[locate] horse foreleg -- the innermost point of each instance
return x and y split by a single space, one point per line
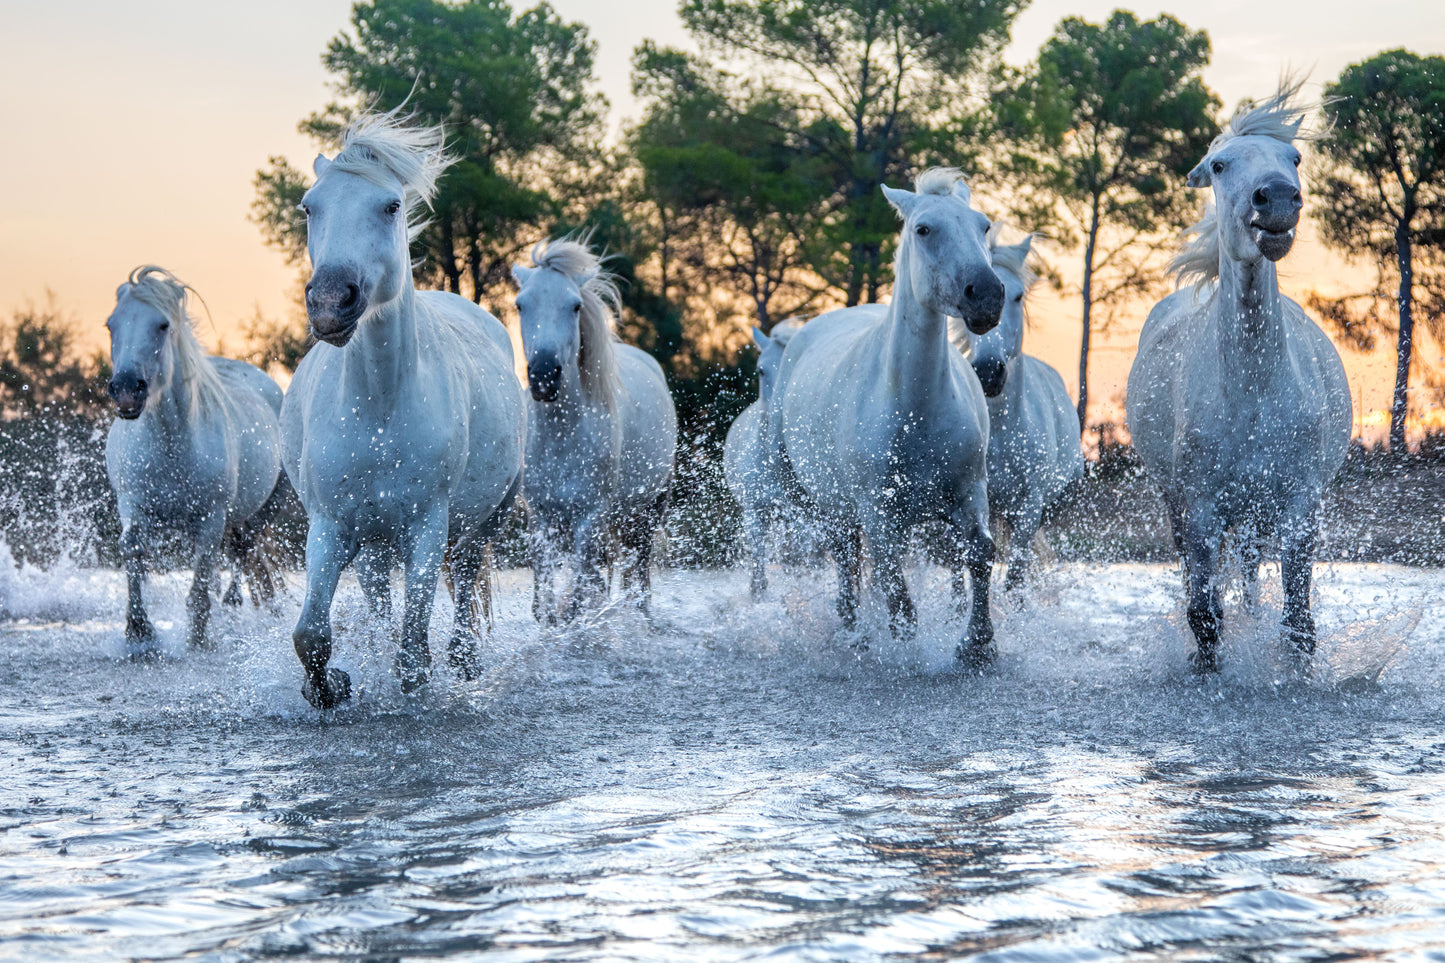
198 602
588 584
327 553
468 564
1023 527
425 547
970 521
140 634
639 541
755 530
885 548
1297 553
848 556
1203 531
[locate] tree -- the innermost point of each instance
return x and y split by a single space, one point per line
1381 195
1104 127
515 95
880 86
731 187
40 368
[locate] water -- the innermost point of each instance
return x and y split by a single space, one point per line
731 783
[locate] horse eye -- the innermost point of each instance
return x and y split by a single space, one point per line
165 326
305 209
1217 167
392 208
923 230
577 308
1018 298
1296 160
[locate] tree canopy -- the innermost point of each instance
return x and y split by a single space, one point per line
1381 196
1099 133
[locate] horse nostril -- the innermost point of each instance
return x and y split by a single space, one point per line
111 389
1297 199
1261 197
969 292
352 293
140 386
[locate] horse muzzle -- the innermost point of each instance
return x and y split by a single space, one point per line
335 303
543 380
1276 208
129 394
982 303
992 375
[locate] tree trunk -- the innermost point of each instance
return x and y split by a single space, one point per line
1088 303
1400 403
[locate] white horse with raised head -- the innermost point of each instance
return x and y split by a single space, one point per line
1033 429
750 461
195 451
601 428
403 426
1237 401
882 423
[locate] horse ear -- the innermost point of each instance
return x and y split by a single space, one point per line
1199 177
902 200
520 274
760 339
1027 244
320 164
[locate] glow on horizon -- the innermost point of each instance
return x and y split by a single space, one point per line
134 131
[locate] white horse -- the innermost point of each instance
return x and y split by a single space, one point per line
195 453
1033 429
404 425
883 425
1237 402
750 461
601 428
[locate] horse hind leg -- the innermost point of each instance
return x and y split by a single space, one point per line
847 545
198 601
637 539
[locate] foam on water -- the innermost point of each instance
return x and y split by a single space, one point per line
734 780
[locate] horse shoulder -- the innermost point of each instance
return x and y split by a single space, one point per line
244 377
646 407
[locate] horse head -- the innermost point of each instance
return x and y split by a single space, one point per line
943 251
564 304
1253 167
993 354
360 220
149 310
770 353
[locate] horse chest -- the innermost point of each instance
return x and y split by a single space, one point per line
372 474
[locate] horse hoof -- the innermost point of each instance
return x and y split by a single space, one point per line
413 671
463 660
334 691
975 655
1204 661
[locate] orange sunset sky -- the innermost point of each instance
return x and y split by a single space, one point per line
132 133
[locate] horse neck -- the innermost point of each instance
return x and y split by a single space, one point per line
171 413
1250 313
916 357
384 355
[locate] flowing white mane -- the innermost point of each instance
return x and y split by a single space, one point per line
1278 117
596 361
381 147
158 288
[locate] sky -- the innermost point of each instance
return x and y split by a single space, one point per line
133 132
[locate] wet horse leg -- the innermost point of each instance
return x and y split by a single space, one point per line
198 602
885 547
327 553
755 529
468 564
847 547
970 522
1023 526
638 539
140 634
373 573
425 547
1203 531
1297 552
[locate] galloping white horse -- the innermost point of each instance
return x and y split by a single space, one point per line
195 452
1237 401
404 426
883 425
750 461
601 429
1033 429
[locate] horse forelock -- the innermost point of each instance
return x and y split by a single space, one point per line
574 258
381 147
161 290
942 181
1012 258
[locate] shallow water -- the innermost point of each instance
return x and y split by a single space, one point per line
732 782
